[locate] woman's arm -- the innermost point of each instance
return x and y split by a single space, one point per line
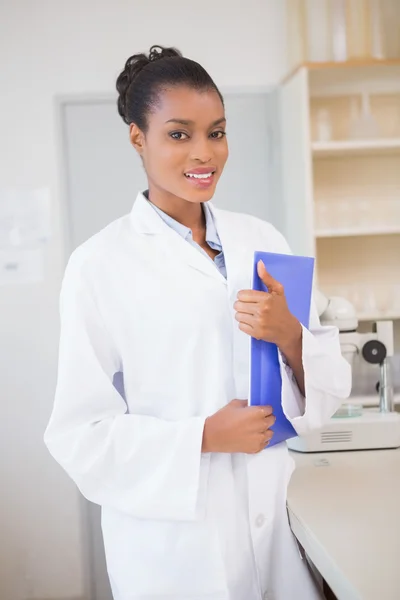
138 464
315 376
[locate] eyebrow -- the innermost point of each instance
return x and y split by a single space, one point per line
188 122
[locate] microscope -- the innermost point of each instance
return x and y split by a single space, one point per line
354 427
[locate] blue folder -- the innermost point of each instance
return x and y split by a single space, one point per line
295 273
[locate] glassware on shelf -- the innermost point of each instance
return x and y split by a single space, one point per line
375 10
358 34
339 38
363 124
324 125
317 24
341 30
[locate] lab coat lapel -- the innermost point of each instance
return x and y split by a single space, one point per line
146 221
237 253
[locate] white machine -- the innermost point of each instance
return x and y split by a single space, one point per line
354 427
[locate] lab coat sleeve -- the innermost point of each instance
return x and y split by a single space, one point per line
327 374
327 378
141 465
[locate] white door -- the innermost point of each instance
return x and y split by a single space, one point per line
103 175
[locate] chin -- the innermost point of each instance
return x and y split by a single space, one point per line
198 195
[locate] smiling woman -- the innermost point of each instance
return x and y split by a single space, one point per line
177 125
193 504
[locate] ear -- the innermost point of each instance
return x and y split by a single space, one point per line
137 138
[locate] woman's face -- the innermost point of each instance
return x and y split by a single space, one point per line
184 149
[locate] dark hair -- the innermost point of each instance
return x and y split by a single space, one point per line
143 78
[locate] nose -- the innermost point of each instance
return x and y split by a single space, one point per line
202 150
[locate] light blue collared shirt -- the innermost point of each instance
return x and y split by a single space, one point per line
212 237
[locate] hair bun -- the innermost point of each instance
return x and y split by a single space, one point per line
133 66
159 52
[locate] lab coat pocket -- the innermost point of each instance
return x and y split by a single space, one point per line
177 559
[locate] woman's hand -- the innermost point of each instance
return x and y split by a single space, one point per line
238 428
266 316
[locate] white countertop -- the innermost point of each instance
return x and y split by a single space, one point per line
346 515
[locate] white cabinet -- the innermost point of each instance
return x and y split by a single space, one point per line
340 148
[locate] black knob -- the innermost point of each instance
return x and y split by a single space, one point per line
374 352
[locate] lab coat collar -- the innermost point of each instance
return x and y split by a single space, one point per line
146 221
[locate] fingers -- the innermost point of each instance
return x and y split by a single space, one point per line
246 318
246 328
249 308
266 418
272 284
270 421
239 403
268 437
265 410
253 296
264 440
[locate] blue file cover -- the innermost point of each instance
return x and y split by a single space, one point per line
295 273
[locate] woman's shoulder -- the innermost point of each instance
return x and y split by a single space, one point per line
98 250
256 228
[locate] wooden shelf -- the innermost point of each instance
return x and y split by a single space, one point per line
351 232
355 147
354 63
357 247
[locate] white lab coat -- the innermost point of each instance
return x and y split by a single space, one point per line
138 298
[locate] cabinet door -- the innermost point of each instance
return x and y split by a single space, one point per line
296 172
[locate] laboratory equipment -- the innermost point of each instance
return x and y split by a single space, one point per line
375 427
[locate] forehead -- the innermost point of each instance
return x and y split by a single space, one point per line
202 107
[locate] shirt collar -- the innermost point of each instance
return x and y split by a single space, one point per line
212 236
211 230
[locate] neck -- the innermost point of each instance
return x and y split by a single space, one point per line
187 213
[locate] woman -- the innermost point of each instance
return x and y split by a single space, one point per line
193 504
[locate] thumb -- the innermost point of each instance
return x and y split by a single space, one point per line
268 280
238 403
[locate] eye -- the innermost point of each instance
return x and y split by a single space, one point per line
178 135
218 135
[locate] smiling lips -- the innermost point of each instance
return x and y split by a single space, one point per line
201 177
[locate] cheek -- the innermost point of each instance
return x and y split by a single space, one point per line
162 156
222 152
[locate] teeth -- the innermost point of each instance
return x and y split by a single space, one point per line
198 176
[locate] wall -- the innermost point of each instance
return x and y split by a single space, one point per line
48 48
